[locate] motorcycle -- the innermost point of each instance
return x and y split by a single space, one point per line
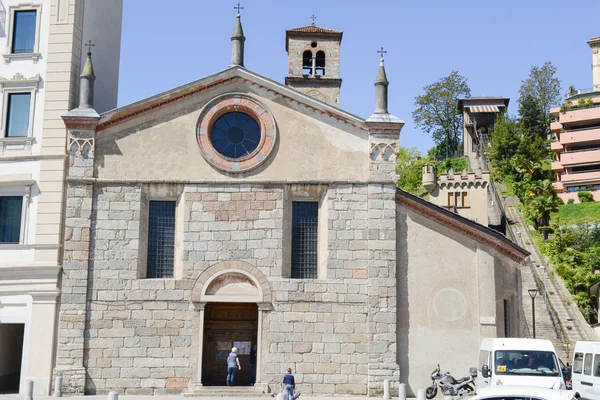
449 385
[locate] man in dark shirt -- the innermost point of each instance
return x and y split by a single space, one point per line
289 384
253 365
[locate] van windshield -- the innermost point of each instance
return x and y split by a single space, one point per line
525 362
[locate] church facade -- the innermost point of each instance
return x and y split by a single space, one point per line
238 211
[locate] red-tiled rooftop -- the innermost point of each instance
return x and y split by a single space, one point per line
314 29
592 40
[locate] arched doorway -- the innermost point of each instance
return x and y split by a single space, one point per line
231 298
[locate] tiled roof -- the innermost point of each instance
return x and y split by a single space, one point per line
593 40
307 31
314 29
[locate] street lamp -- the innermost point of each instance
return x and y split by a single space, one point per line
532 294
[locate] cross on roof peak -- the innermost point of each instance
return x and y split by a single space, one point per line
238 8
382 52
313 18
89 45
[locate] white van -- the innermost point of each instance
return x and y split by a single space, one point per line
513 361
585 374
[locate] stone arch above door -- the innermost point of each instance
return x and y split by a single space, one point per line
232 281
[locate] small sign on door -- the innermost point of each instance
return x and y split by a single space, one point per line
224 345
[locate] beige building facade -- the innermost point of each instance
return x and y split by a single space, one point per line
465 193
41 45
238 211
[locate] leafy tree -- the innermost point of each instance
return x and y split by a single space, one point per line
410 171
458 164
437 114
533 121
574 254
540 203
585 196
505 145
543 85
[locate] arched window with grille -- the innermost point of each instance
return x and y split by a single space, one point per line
307 63
320 67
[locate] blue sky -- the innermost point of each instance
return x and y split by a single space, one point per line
493 44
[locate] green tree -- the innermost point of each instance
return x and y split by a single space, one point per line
585 196
505 145
436 113
409 168
541 202
543 85
533 120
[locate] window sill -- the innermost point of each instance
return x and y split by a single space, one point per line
21 56
25 246
10 146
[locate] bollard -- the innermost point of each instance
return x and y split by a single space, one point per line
113 395
402 391
386 388
421 394
58 386
28 389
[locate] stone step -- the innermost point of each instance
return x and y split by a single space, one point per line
226 391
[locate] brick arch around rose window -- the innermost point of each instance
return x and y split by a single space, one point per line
233 267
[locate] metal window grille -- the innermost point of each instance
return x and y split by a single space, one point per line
304 239
161 239
11 210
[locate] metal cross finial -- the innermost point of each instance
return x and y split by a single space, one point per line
313 18
238 8
382 52
89 45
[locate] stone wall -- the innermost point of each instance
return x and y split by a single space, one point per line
141 335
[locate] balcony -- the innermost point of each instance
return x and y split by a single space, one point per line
580 115
558 186
580 157
557 166
556 146
580 136
556 127
592 176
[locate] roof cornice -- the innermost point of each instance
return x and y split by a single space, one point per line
122 114
457 223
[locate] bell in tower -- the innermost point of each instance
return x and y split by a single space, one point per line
314 62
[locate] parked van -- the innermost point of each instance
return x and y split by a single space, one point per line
513 361
585 375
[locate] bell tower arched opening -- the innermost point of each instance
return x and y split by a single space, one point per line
320 63
307 63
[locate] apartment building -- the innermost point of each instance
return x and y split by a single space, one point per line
576 125
41 42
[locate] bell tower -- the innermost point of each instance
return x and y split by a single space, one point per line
314 62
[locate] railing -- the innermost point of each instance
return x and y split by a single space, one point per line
576 107
582 91
580 150
558 328
589 128
582 172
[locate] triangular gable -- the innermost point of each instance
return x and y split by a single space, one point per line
121 114
476 231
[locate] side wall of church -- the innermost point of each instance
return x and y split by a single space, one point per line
141 335
451 293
